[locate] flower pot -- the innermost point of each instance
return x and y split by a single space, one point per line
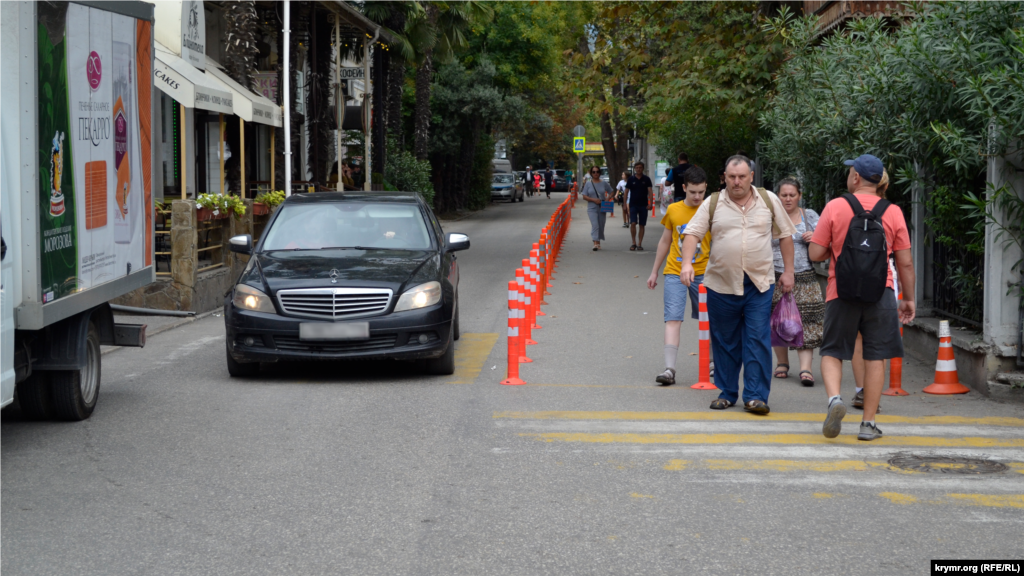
206 214
260 209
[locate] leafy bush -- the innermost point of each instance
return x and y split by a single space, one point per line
404 172
271 199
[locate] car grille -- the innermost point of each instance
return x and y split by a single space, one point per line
373 344
334 303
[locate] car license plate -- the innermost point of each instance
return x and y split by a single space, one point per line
334 331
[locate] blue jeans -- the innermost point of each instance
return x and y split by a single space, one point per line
741 336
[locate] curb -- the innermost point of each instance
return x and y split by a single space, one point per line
109 349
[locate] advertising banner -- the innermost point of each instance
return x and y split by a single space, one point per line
95 190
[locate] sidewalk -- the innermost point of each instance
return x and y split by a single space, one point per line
604 328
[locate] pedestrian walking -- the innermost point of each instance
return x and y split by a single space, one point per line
675 221
677 176
620 195
860 231
858 350
640 192
595 191
740 281
721 180
806 290
548 175
666 196
528 181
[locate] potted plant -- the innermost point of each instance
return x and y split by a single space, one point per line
265 202
218 206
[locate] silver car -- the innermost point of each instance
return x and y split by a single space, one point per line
505 186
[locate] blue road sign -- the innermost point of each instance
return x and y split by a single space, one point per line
579 144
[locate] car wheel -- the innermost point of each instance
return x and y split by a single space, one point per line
445 365
34 397
241 369
75 392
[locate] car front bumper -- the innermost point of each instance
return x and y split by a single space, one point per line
503 193
393 336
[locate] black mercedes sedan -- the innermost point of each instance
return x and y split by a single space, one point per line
353 275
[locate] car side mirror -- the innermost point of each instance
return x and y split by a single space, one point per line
457 242
241 244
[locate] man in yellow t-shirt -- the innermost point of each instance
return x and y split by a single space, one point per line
678 215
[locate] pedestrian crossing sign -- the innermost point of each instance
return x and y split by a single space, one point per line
579 144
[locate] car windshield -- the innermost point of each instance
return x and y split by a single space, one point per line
502 179
362 225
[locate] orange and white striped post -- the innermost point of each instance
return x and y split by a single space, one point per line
524 308
896 371
538 290
946 379
512 378
704 342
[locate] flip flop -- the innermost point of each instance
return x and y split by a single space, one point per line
808 380
632 248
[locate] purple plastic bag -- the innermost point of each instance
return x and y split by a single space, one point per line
787 328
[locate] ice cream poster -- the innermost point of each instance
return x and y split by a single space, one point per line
94 136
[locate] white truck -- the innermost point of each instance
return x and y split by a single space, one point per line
76 207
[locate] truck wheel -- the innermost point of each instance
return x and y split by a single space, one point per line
445 365
241 369
75 391
34 397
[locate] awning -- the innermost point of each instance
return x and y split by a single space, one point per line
248 105
183 82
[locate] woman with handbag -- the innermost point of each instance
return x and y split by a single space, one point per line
806 290
595 191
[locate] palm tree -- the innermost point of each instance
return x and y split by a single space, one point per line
395 16
440 30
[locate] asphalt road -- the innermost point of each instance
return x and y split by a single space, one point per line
368 468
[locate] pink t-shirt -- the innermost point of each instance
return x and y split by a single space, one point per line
834 222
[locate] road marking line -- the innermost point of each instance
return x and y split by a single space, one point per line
741 427
938 442
774 416
986 500
677 464
803 465
471 352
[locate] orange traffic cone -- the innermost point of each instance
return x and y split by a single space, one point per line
946 380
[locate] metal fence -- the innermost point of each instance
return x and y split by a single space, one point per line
958 285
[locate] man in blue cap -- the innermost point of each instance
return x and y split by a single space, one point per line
860 231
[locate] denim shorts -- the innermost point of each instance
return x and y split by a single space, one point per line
675 297
638 215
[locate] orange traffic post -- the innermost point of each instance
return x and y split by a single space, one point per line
538 296
704 342
531 299
512 379
525 333
946 379
896 371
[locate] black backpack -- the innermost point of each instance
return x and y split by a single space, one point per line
862 268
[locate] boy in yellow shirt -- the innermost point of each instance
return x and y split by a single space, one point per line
675 220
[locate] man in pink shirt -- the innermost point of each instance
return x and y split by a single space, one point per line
854 311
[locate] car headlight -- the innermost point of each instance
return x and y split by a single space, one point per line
419 297
249 298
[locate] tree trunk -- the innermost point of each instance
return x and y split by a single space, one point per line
424 76
395 80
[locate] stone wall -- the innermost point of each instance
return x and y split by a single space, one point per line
187 288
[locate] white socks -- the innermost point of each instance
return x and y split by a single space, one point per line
670 356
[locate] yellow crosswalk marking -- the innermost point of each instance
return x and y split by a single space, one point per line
640 438
471 352
986 500
742 416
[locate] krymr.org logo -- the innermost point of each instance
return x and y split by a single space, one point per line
94 70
